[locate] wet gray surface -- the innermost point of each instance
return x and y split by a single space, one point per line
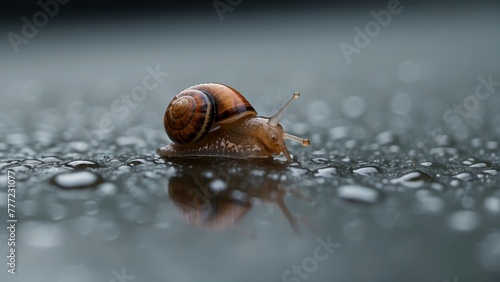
402 192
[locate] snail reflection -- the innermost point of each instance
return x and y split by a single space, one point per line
215 194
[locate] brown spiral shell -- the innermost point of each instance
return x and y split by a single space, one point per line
196 110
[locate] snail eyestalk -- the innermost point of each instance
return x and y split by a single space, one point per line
275 120
304 142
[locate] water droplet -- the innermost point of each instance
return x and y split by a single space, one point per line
257 172
159 161
464 176
464 220
42 235
107 189
492 145
318 112
150 174
123 168
401 103
426 164
77 180
319 160
492 204
467 202
478 165
31 163
16 138
207 174
445 140
114 163
476 143
385 137
353 106
358 193
491 171
56 211
297 172
328 172
239 195
80 164
430 204
78 146
468 161
338 132
50 159
367 170
136 162
90 208
217 185
414 179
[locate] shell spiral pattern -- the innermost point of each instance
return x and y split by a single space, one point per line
189 116
196 110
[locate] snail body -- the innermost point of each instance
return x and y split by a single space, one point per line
215 120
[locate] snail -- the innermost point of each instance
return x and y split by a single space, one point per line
215 120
